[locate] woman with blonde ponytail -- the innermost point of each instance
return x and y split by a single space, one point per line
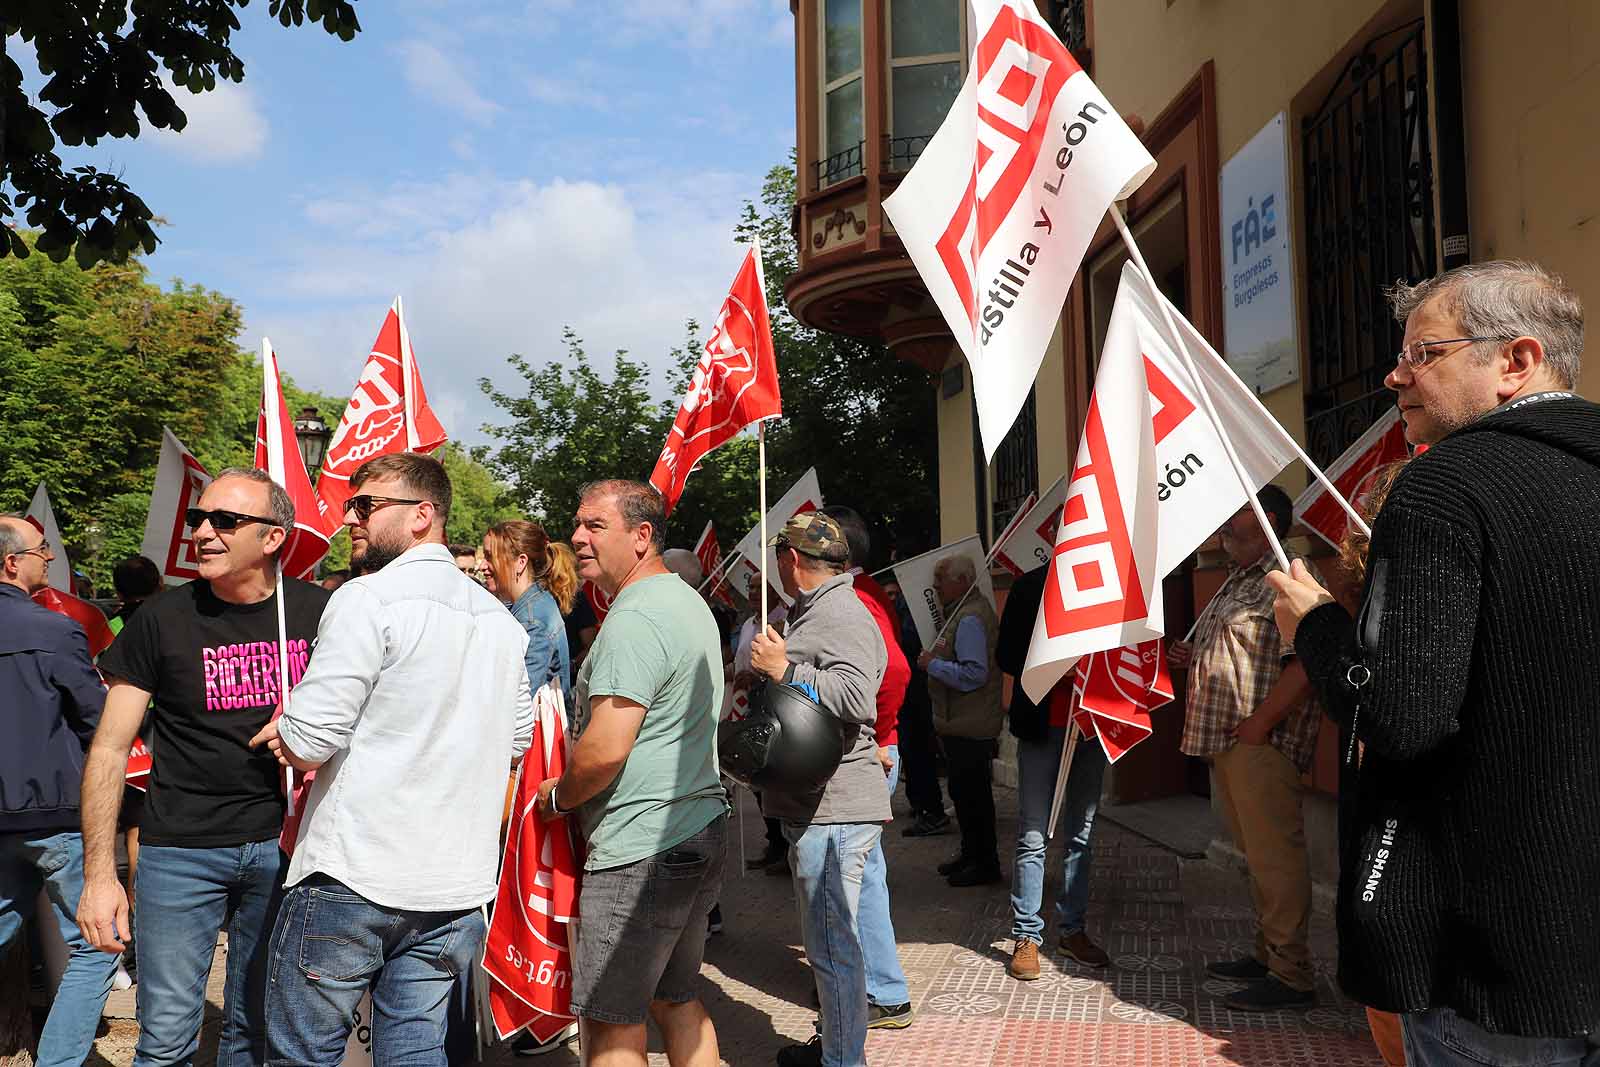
524 573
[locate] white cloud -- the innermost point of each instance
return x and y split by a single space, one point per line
489 267
226 125
443 79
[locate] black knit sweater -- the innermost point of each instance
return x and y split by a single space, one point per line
1470 834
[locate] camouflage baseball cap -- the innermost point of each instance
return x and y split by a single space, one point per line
813 534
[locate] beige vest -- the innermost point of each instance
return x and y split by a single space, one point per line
978 713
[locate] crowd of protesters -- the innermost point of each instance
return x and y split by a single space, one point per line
1459 665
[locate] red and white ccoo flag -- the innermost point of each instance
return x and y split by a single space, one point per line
527 953
278 453
1115 691
168 541
388 412
1033 534
1352 474
734 384
804 495
1000 208
1151 482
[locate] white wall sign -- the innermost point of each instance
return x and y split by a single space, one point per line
1261 335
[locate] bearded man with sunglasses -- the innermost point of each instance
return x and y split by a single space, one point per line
411 715
204 659
1469 858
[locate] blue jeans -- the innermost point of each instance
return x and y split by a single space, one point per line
331 945
1037 765
184 897
28 860
886 982
1441 1038
829 862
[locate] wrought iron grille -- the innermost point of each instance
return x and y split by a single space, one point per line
1016 466
1369 221
1070 18
837 167
902 152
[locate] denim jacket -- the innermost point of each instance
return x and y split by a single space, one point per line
548 656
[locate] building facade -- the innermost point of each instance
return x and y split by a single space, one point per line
1403 137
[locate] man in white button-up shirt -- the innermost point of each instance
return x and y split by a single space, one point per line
412 714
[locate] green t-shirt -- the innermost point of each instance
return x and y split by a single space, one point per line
658 647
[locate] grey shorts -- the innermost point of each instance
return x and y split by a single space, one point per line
642 928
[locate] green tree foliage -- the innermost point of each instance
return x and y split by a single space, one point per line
478 500
103 61
864 419
92 364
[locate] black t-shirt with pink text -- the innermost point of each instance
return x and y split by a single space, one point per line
212 670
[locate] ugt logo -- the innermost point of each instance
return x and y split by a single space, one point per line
1020 70
727 361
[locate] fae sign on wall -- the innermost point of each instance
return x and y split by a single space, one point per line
1260 332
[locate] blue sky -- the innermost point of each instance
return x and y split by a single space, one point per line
509 168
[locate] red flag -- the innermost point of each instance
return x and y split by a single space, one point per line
734 384
85 614
707 551
527 951
599 602
278 453
138 773
1352 474
388 412
1114 692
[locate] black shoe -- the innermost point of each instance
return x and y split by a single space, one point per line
928 824
888 1016
714 920
772 855
1270 994
974 874
528 1045
953 864
1244 969
806 1055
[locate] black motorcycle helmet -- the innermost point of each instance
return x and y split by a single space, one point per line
788 741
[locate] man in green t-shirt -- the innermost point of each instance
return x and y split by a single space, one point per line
642 780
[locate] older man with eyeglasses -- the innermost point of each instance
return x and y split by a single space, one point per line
52 700
204 659
1470 683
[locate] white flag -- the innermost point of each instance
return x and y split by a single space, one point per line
43 515
803 495
168 541
1001 206
915 576
1034 535
1353 474
1151 482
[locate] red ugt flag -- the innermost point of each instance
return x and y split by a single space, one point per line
734 384
388 412
1116 690
278 453
527 954
707 551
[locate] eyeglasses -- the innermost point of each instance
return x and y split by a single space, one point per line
222 520
42 550
1415 355
365 504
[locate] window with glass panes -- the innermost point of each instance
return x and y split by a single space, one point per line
926 57
843 128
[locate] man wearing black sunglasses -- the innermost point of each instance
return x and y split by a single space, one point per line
206 656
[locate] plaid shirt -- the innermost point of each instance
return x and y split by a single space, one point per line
1238 658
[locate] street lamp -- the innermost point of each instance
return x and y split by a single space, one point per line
312 434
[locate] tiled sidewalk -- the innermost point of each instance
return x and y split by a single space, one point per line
1161 918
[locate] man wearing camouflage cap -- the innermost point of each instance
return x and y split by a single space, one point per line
832 646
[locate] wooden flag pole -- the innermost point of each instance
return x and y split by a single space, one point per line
1176 339
1068 750
283 678
719 572
761 470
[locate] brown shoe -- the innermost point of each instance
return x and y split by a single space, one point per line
1024 965
1079 947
